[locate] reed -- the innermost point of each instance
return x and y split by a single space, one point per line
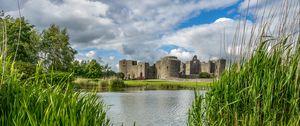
36 101
261 87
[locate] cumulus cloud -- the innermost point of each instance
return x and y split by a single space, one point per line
182 54
209 40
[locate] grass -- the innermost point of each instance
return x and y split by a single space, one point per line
154 84
262 89
164 84
87 81
109 84
36 101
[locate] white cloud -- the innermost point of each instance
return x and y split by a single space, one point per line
208 40
117 67
181 54
223 20
111 57
91 54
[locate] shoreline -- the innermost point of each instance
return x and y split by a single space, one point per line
150 84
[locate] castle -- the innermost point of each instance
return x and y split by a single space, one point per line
170 67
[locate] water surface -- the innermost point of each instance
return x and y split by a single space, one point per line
149 108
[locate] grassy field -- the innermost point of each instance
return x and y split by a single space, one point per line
165 84
154 84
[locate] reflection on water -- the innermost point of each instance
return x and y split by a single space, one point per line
149 108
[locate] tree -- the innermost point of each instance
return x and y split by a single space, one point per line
78 68
93 69
55 49
22 40
120 75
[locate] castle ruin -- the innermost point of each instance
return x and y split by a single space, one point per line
170 67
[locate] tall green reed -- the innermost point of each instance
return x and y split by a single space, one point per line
38 101
261 87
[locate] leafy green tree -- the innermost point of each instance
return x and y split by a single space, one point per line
55 49
93 69
107 71
120 75
77 68
22 40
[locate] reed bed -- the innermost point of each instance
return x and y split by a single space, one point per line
36 101
261 88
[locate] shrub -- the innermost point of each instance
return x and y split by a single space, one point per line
121 75
25 68
116 84
204 75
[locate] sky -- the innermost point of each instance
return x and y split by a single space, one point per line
145 30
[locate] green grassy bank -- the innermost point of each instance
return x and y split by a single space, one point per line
165 84
145 84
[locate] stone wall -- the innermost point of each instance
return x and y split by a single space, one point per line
219 66
205 67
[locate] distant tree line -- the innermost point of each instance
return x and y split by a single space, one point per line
27 47
92 69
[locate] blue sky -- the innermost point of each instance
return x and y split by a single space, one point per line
209 16
144 30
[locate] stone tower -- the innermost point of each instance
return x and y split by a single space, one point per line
168 67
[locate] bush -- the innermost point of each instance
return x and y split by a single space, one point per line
121 75
116 84
25 68
204 75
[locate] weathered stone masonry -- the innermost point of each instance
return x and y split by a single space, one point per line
170 67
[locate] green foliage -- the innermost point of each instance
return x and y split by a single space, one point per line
196 115
166 85
264 90
93 69
55 49
204 75
25 68
107 72
35 102
121 75
59 78
116 84
27 45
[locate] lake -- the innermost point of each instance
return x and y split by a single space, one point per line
148 107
